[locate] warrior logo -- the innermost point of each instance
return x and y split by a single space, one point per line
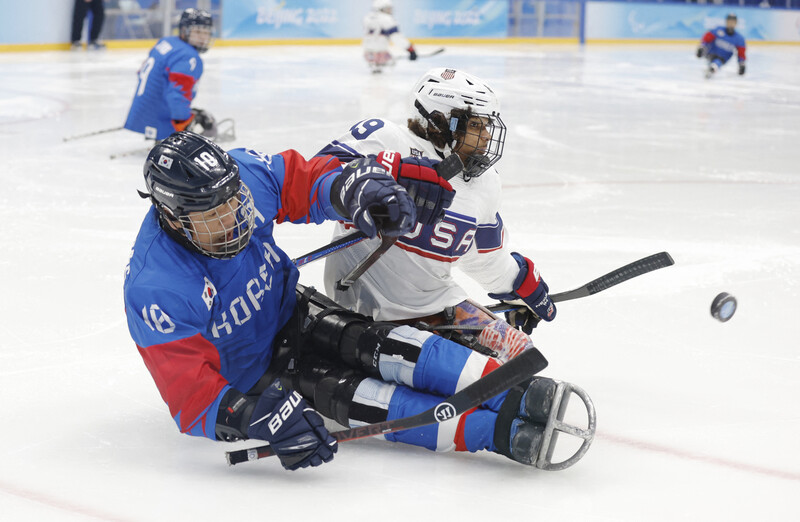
444 412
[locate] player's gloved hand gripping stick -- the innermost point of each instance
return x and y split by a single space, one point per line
494 383
518 313
427 184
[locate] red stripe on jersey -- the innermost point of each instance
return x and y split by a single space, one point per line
461 445
187 375
299 176
709 37
184 81
423 253
741 53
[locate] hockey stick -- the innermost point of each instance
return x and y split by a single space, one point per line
95 133
613 278
440 50
330 248
347 281
130 153
448 168
504 377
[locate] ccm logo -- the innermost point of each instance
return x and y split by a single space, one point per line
287 408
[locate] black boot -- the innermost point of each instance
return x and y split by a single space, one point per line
521 421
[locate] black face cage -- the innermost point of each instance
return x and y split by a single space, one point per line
481 157
221 232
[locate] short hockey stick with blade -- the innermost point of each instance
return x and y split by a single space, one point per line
440 50
94 133
448 168
522 367
613 278
330 248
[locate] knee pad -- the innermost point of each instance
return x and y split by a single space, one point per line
329 387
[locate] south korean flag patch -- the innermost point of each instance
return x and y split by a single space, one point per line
209 292
166 162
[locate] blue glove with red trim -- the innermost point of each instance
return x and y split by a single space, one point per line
532 290
431 192
293 429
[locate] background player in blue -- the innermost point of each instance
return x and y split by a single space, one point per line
718 45
213 306
168 80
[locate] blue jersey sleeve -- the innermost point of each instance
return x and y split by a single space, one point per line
286 187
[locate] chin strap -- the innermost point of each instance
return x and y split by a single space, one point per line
448 132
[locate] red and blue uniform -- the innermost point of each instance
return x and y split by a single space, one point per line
721 46
205 325
167 85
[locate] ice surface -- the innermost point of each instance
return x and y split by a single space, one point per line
613 153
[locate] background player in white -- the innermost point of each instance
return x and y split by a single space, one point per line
162 103
381 32
454 113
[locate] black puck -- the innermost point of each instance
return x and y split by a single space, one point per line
723 307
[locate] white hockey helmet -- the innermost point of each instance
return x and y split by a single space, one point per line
382 5
442 90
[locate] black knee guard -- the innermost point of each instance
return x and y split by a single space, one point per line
334 333
328 387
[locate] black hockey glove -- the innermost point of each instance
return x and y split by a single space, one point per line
431 193
741 69
294 430
412 53
365 191
531 289
204 123
702 50
523 318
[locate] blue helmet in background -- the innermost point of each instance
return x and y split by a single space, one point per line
195 18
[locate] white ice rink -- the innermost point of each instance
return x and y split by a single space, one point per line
613 153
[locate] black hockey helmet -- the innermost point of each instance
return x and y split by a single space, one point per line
187 175
191 18
731 16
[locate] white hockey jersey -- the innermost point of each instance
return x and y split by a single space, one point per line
380 29
413 279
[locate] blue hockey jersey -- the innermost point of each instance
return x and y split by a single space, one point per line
203 325
166 88
719 43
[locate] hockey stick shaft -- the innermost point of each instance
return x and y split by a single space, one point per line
347 281
95 133
613 278
332 247
448 168
130 153
440 50
501 379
